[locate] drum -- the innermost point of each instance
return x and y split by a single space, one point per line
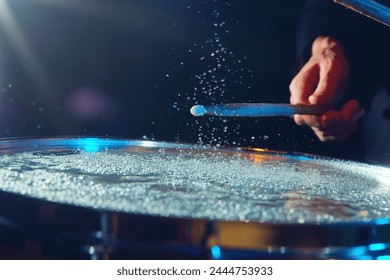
97 198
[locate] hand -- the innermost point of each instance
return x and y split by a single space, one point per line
323 80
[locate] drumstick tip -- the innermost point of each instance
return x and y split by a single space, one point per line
198 110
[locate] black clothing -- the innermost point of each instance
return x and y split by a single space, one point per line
367 46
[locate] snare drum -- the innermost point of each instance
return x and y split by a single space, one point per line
71 198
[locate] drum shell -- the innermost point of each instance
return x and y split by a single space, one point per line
36 229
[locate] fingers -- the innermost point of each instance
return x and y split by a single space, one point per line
333 79
338 134
324 77
352 111
301 87
327 84
338 125
320 81
309 120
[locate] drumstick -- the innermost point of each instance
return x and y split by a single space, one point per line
256 110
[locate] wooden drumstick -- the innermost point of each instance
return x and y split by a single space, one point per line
257 110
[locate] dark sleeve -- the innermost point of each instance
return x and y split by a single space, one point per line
318 17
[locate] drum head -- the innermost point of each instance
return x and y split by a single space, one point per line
187 181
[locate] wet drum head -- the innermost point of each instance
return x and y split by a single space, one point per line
229 202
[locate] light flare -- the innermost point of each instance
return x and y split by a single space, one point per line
15 35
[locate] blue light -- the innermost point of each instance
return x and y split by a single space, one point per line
357 252
365 257
385 257
216 252
303 158
382 221
91 144
298 157
377 247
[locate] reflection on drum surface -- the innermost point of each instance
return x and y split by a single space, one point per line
173 180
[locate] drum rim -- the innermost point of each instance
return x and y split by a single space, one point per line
154 144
